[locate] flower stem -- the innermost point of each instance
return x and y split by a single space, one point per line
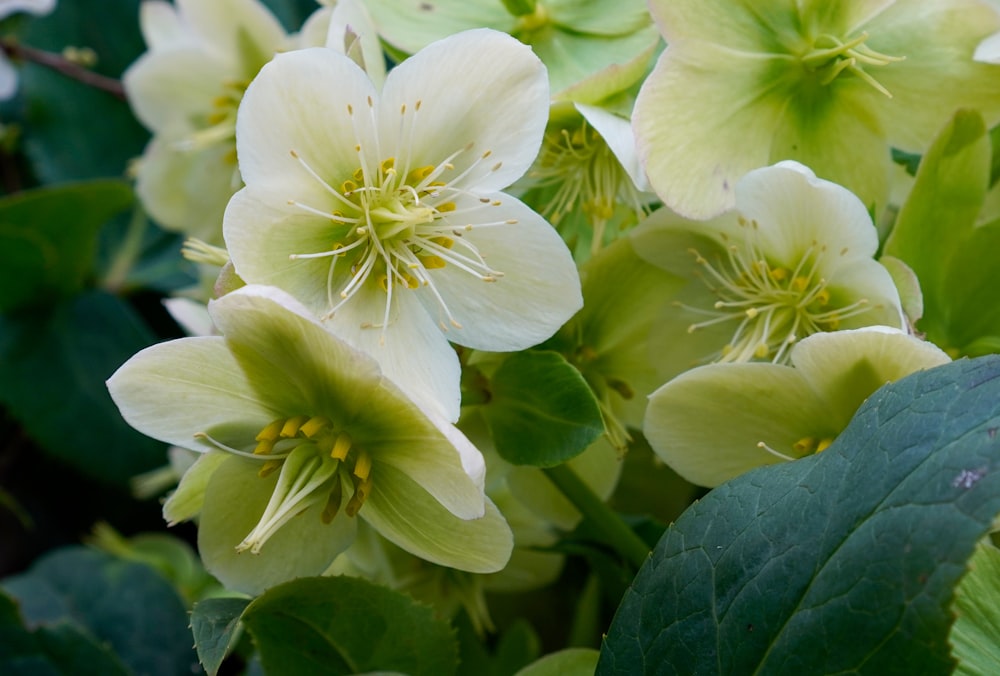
62 65
604 520
127 254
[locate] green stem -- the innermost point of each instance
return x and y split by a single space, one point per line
603 519
128 252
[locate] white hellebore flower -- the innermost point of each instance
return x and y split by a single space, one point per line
8 74
382 211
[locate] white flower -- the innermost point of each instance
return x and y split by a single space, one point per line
382 211
8 74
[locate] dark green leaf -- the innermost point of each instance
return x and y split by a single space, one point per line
842 562
127 605
60 650
516 647
72 350
542 412
216 626
48 238
345 625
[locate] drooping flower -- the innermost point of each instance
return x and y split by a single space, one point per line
831 84
575 39
794 258
300 433
8 74
715 422
382 211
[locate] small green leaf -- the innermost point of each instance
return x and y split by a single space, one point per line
345 625
73 349
60 650
127 605
48 238
976 631
216 626
542 412
841 562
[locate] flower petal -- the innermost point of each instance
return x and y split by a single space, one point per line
162 26
538 292
617 133
458 83
410 26
707 422
408 516
235 499
187 500
313 102
243 30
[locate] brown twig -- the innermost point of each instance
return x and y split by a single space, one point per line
62 65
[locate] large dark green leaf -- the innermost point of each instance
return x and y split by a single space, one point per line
345 625
843 562
126 605
48 238
52 380
542 412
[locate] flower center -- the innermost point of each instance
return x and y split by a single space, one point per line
315 460
773 305
583 170
219 126
830 57
392 224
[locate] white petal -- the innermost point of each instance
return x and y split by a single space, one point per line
538 292
232 27
300 103
617 133
988 51
478 87
192 316
162 26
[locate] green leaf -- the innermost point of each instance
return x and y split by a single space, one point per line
71 350
542 412
568 662
48 238
516 647
127 605
345 625
216 626
841 562
74 131
63 649
976 631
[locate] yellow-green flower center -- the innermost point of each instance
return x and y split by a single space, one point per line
219 125
829 57
315 459
772 305
393 223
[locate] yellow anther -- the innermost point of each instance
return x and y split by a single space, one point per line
383 282
361 492
333 501
348 186
761 351
292 425
823 297
388 164
751 312
446 242
264 446
446 207
272 431
824 444
411 281
217 117
314 425
268 468
778 274
220 101
799 284
419 174
805 445
341 446
432 262
363 465
358 175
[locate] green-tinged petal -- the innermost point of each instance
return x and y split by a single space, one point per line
836 132
938 75
187 190
707 423
169 91
846 367
692 112
573 57
161 26
747 26
205 388
405 514
869 282
243 29
599 467
538 292
599 17
977 607
457 86
613 79
186 501
410 25
234 502
351 21
313 103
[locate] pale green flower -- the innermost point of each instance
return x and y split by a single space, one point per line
576 39
301 433
832 84
794 258
382 212
715 422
